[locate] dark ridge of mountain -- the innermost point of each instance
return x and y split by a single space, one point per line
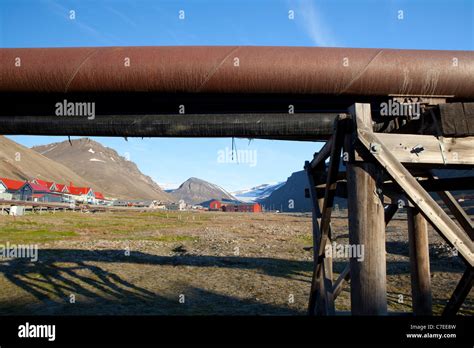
290 197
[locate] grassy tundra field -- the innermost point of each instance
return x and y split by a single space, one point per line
185 263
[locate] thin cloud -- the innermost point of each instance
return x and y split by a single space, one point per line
311 20
64 12
122 16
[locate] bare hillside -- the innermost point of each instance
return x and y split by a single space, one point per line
105 168
21 163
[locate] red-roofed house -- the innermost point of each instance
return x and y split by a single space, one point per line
34 192
100 199
12 185
3 191
3 187
49 184
82 194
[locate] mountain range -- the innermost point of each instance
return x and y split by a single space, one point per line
85 162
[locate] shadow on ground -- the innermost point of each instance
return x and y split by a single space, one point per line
59 273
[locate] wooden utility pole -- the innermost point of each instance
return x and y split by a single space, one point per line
419 262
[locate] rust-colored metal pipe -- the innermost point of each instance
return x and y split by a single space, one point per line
293 70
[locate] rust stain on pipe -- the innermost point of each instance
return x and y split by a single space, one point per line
294 70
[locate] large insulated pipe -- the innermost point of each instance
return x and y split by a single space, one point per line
236 69
226 91
265 126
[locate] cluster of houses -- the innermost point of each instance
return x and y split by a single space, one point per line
39 190
153 204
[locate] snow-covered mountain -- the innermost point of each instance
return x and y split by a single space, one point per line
257 193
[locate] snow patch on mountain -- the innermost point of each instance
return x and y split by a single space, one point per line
257 193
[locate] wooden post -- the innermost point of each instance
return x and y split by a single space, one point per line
318 302
419 262
367 230
328 270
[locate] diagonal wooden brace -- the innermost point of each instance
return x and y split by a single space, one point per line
419 197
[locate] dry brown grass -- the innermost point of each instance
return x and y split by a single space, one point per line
223 263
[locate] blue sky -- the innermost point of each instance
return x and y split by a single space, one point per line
426 24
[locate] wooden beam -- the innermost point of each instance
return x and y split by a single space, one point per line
393 189
327 267
344 276
321 297
389 212
324 263
414 191
435 185
419 262
415 148
318 304
456 209
322 287
458 212
331 182
460 293
321 156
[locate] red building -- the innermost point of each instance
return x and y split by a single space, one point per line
215 205
235 207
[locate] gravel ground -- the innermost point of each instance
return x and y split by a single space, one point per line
203 263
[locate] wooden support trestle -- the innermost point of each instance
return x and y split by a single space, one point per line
375 163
